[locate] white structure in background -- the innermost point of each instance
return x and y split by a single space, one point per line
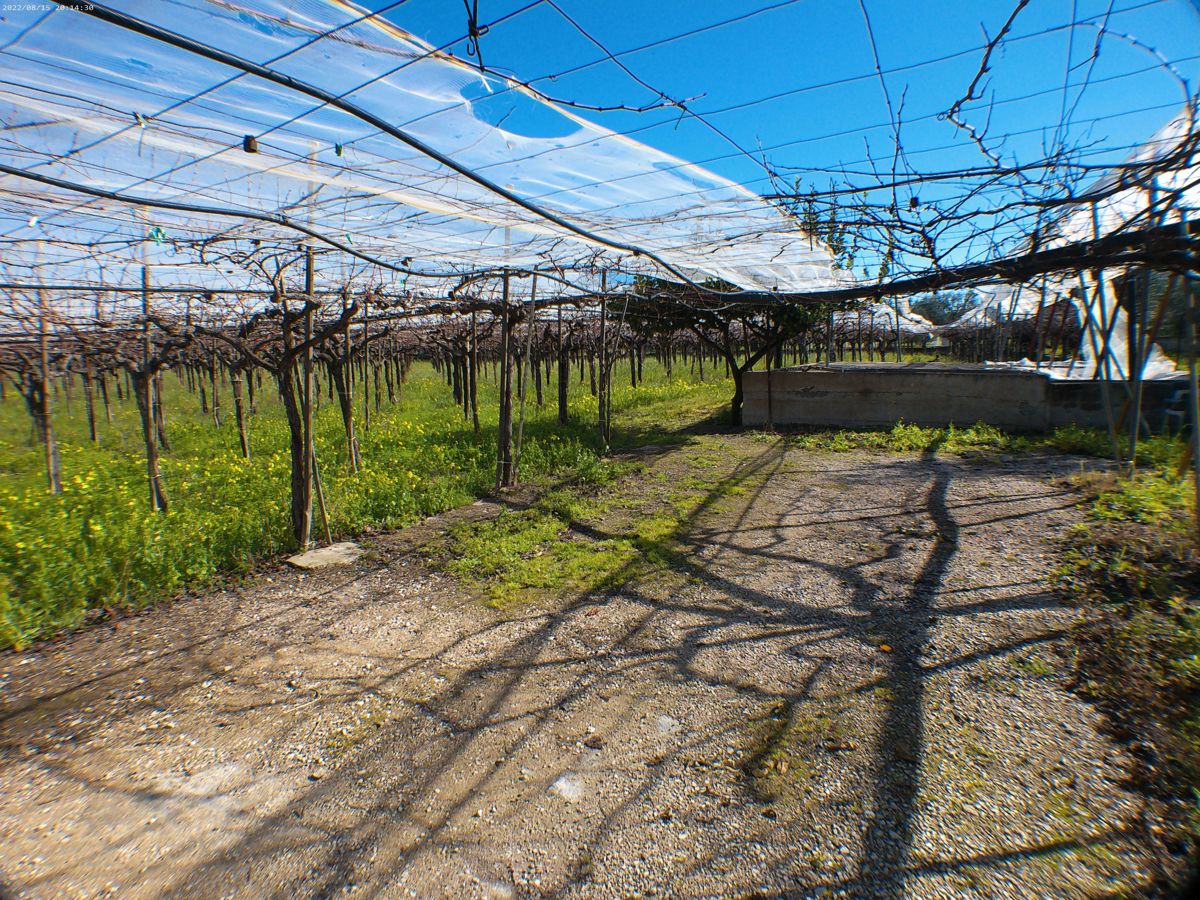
1097 304
882 315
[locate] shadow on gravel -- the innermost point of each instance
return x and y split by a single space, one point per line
888 836
403 792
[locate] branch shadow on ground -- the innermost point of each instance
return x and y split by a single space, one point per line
401 798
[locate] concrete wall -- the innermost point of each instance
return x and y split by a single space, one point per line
869 395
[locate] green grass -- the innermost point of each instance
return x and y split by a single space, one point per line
99 545
904 437
1133 566
612 523
907 438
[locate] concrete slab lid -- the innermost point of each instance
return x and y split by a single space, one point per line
341 554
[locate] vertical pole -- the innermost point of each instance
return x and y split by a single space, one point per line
829 337
145 389
1101 353
525 362
1139 347
316 472
366 352
1193 392
102 381
473 372
160 424
504 435
1193 385
770 398
306 397
50 445
239 411
564 372
347 402
1138 351
1039 332
896 312
602 387
89 400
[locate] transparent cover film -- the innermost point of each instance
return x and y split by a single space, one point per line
96 104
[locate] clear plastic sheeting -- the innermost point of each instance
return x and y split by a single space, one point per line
1105 341
885 315
92 103
1101 317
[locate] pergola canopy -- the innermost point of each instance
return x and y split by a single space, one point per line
94 104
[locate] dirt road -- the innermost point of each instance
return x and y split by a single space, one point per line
848 686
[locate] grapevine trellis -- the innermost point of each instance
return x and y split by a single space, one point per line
240 227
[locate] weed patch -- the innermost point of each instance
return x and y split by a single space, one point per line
98 545
1133 565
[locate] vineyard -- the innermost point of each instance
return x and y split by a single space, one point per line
94 547
425 477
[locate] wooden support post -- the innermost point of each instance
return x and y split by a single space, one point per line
564 371
1102 354
45 420
1037 340
770 386
899 336
829 337
307 394
216 399
160 424
1193 394
602 386
504 433
239 412
146 403
366 353
103 382
525 362
89 402
316 474
343 380
473 372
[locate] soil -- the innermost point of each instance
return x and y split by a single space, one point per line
850 683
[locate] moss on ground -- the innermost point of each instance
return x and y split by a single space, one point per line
619 523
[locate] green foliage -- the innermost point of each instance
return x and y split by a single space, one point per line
1084 441
1133 565
589 535
1156 452
905 437
98 544
1148 497
944 306
552 546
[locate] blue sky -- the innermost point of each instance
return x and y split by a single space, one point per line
800 46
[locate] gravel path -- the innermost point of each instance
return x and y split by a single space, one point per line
847 686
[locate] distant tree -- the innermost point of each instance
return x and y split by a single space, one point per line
944 306
741 333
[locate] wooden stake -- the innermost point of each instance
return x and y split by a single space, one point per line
239 412
602 387
49 444
146 404
525 362
504 435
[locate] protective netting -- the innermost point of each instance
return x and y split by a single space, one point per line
1106 336
96 104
